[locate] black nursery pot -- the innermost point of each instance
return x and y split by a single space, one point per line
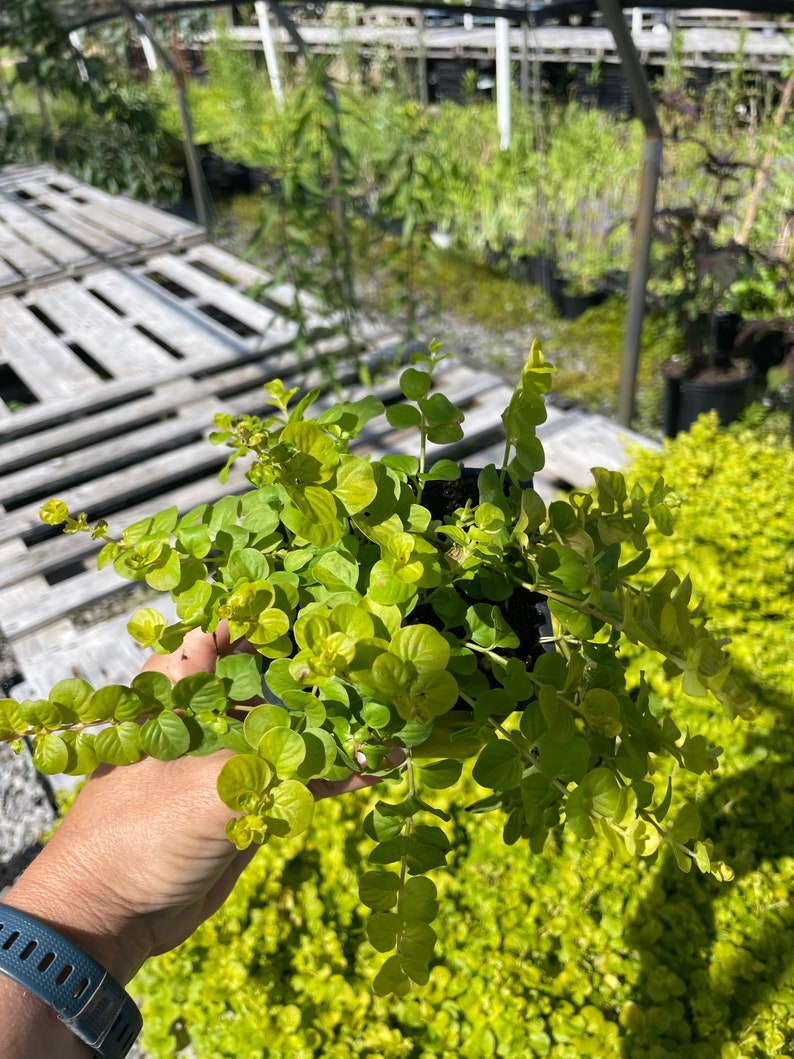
687 398
527 613
573 304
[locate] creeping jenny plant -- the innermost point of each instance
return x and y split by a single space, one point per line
379 623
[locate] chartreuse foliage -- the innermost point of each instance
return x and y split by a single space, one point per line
379 625
576 953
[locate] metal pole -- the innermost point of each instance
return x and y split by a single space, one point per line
502 31
148 53
271 60
201 197
421 61
74 40
646 206
524 65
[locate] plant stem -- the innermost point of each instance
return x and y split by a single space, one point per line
528 755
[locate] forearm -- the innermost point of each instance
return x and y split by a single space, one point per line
32 1030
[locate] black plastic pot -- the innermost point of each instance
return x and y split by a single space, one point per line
526 612
573 304
537 270
687 398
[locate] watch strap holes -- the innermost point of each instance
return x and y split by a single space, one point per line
12 937
80 988
29 949
63 974
46 960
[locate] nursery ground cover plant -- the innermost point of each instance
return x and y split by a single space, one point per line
580 952
384 618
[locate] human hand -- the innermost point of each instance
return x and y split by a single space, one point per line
141 858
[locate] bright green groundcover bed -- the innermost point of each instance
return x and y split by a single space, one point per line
572 953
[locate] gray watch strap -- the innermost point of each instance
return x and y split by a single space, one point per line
81 992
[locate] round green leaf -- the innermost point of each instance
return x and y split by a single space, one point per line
243 781
12 722
243 671
165 736
601 710
146 626
403 416
320 754
418 900
415 383
441 774
261 719
75 695
355 484
498 767
292 802
50 754
422 645
408 465
201 693
378 890
41 713
85 756
382 930
244 831
118 702
247 564
284 749
54 512
417 941
376 715
443 471
391 978
167 573
119 744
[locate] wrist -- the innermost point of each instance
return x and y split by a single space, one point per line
83 908
77 989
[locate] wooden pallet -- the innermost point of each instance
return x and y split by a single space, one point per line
52 225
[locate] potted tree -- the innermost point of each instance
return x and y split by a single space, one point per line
761 300
698 271
394 603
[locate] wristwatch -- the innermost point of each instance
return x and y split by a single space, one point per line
80 991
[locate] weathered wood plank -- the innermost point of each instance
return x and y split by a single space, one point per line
106 654
273 351
20 617
214 292
75 209
65 550
120 350
580 441
79 223
52 477
145 304
45 363
162 224
98 496
59 246
247 276
28 260
9 276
